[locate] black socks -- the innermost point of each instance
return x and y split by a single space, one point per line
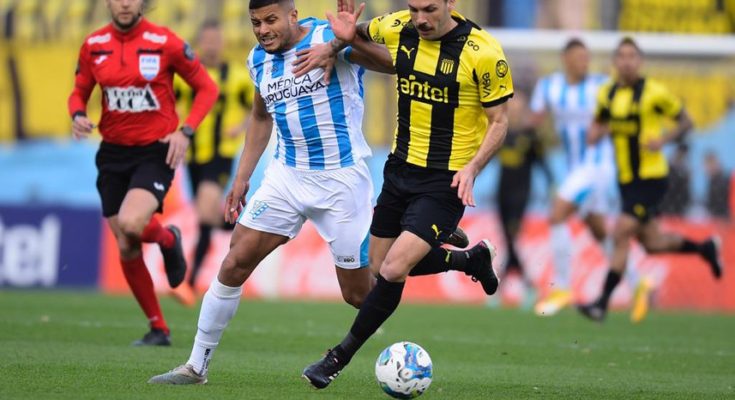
205 239
377 308
437 261
612 280
687 246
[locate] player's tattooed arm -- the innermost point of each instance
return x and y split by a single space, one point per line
363 31
364 52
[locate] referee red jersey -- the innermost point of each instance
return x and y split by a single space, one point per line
135 70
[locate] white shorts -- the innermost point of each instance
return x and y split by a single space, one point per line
338 202
589 187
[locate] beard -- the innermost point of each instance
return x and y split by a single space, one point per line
129 25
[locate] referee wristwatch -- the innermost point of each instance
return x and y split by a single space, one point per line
187 131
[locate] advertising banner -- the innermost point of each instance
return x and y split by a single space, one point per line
46 247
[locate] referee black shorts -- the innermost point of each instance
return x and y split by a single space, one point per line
642 198
418 200
121 168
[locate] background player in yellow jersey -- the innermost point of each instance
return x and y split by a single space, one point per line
632 108
453 83
218 139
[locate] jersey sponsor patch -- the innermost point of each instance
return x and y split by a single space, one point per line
188 52
152 37
501 68
291 87
131 99
487 85
149 65
99 39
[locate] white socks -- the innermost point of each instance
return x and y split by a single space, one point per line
218 307
561 248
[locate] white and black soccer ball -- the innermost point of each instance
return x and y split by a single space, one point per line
404 370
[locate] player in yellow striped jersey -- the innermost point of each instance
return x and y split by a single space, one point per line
453 83
632 109
218 139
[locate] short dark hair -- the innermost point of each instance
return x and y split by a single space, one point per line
628 41
574 43
255 4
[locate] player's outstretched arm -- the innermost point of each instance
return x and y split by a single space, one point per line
344 24
371 55
347 32
464 179
367 54
597 131
258 134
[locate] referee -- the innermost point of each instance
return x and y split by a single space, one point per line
453 83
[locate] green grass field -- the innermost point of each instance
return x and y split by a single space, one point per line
76 346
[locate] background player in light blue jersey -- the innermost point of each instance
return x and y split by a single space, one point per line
318 172
569 97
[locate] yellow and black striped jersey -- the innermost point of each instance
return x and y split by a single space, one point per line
636 115
443 86
235 100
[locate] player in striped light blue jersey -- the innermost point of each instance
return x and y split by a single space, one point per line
570 96
317 129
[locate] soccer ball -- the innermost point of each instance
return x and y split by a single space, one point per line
404 370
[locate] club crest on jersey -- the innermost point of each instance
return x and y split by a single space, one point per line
258 208
149 65
447 66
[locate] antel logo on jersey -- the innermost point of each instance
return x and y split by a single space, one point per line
149 65
131 99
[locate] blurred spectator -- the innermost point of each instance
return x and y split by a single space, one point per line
718 187
519 14
677 198
609 10
563 14
521 151
710 17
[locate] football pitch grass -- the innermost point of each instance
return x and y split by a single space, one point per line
65 345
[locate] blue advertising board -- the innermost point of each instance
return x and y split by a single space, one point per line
47 247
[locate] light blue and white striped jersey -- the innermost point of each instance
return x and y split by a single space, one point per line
319 126
573 109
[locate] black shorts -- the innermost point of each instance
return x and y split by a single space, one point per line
642 199
512 210
418 200
217 170
121 168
